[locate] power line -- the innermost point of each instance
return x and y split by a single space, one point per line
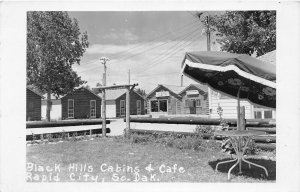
147 76
151 75
140 52
182 28
170 53
126 57
174 47
160 36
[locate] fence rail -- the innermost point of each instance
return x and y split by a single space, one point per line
62 123
203 121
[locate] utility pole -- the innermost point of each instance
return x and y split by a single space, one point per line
207 21
129 77
127 131
208 32
103 61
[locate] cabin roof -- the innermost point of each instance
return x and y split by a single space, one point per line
85 89
198 86
35 92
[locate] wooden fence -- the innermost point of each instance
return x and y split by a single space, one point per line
40 130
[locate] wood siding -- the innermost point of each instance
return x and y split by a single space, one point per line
82 98
133 106
33 106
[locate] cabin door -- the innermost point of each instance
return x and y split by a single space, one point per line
193 107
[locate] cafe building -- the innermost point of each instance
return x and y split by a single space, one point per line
165 100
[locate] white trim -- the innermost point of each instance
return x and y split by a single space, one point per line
91 109
228 68
71 117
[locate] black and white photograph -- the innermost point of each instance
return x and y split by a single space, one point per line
131 97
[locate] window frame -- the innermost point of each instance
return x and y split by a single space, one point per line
262 112
159 105
138 107
151 105
93 110
187 103
198 104
122 109
73 111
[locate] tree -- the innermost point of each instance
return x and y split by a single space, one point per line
87 86
141 92
245 31
54 44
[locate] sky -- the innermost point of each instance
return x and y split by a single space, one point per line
151 44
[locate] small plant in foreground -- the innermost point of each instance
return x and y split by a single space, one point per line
170 140
64 135
49 137
204 131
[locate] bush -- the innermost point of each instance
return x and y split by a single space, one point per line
135 138
204 131
49 137
168 140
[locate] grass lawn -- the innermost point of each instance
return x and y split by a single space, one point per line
109 160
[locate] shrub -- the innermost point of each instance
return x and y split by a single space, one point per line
204 130
49 137
135 138
64 135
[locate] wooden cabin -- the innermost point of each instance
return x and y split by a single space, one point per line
33 105
165 100
116 103
195 100
82 103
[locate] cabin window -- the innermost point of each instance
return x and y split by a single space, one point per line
138 107
198 103
187 103
154 106
93 108
70 108
257 115
122 107
163 105
159 106
268 115
261 113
